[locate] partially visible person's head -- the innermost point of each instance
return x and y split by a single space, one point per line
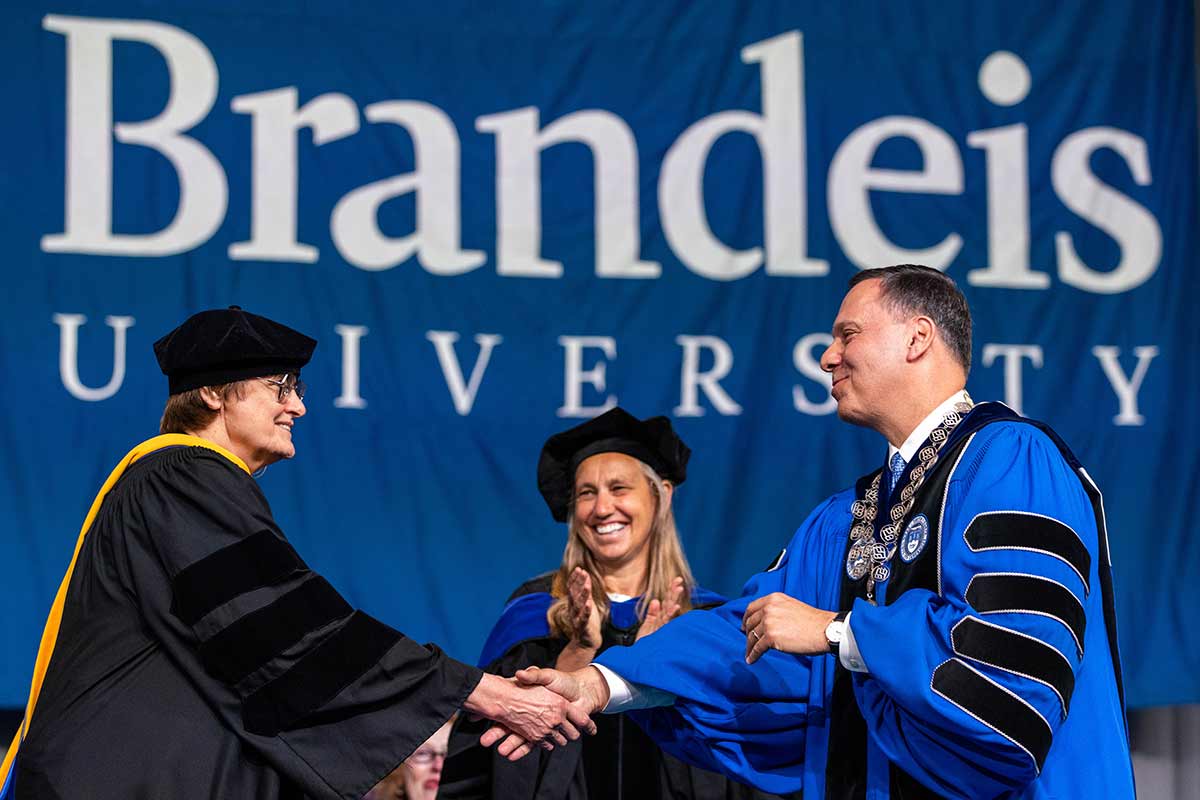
901 344
612 480
418 776
234 378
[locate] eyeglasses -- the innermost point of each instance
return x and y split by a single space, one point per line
287 386
427 756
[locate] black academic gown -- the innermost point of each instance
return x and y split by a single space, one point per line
199 657
619 763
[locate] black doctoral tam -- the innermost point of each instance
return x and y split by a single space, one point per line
651 441
228 344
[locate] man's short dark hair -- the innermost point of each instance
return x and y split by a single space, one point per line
914 289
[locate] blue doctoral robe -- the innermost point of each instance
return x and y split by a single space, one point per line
769 723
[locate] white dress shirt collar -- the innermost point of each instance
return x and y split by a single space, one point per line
920 433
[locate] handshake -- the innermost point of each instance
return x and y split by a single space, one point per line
542 707
537 708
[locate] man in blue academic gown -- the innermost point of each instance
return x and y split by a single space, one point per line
944 628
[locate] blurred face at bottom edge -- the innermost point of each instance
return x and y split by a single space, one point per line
418 777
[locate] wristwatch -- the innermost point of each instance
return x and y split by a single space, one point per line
835 631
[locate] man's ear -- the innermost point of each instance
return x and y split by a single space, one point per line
211 398
921 335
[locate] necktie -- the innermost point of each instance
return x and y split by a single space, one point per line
895 470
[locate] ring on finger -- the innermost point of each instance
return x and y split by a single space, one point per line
756 634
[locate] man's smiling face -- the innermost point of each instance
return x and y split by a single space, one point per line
867 355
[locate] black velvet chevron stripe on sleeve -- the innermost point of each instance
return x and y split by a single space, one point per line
317 677
261 559
1000 593
1016 653
1023 531
256 638
995 707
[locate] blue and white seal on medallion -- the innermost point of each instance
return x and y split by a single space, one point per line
916 535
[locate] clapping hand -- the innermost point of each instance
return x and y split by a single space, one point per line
585 616
585 623
659 613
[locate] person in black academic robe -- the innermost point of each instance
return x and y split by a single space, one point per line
191 653
614 477
282 660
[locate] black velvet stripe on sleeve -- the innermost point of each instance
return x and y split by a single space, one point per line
1000 593
261 559
1017 653
258 637
995 707
1019 531
317 677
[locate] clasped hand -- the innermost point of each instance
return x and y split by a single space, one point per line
781 622
527 712
580 689
582 693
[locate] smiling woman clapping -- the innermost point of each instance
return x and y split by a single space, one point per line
623 575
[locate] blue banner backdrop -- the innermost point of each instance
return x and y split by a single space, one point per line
500 218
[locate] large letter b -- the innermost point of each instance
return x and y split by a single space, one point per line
203 192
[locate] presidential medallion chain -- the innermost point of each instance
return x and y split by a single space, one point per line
870 556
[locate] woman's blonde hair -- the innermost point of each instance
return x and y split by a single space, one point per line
667 562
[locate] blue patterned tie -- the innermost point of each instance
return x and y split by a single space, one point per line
895 470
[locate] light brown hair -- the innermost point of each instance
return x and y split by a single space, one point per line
187 412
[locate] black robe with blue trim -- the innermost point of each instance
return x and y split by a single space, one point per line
619 763
199 657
